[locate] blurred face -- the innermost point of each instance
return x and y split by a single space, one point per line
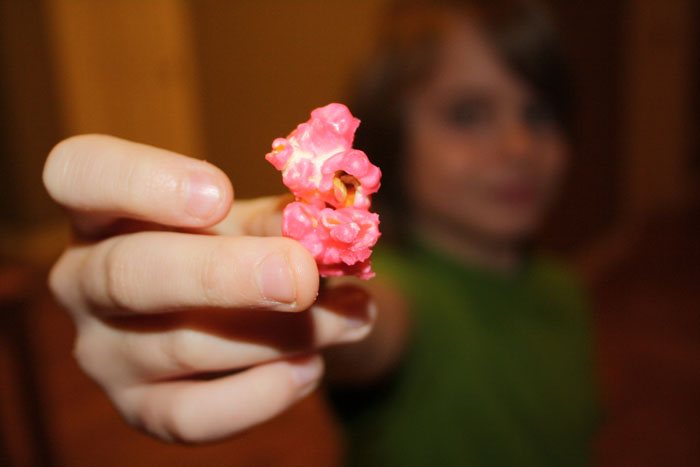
485 156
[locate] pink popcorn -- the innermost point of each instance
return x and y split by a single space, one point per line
332 184
336 238
348 179
319 165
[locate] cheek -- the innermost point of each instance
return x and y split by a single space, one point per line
447 177
443 156
439 167
553 165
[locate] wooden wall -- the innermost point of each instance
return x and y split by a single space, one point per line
264 66
220 79
127 68
29 119
212 79
659 98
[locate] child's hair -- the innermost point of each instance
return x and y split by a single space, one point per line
521 32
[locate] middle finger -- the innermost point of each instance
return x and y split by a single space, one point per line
156 272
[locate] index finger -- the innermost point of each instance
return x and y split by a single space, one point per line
100 178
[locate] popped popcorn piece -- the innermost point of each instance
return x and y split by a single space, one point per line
332 184
336 238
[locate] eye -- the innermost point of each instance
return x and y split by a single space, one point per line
465 113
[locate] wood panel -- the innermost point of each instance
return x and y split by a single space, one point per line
591 200
654 101
264 66
126 68
29 124
658 100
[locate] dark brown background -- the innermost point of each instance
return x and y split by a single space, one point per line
220 79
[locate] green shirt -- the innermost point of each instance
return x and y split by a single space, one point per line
498 372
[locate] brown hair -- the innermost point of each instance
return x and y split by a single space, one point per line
410 32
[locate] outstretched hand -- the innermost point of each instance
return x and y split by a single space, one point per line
192 313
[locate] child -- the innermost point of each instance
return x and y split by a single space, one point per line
465 108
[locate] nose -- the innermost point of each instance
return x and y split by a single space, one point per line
517 142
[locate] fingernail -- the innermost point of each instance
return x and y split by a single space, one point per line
359 328
353 303
203 196
354 323
305 373
355 331
276 280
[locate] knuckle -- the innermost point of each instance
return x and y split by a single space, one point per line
168 419
116 275
57 279
65 281
184 350
180 423
126 401
81 349
216 263
87 354
145 417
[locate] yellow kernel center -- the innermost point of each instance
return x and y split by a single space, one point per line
344 188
